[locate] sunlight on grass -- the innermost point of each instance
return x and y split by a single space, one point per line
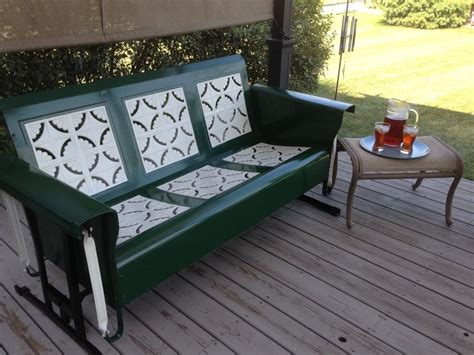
432 69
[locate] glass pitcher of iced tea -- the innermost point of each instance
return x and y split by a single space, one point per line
397 115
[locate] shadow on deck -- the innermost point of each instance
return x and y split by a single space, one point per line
299 282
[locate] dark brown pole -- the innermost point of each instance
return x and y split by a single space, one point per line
280 44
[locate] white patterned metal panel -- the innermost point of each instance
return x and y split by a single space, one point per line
206 182
223 104
138 214
79 149
162 128
264 154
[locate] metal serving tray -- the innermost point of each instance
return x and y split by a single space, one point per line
419 150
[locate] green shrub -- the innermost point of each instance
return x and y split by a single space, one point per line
427 14
376 3
25 72
313 44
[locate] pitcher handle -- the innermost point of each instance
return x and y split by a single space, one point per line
416 115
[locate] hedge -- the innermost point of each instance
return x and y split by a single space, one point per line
25 72
31 71
426 14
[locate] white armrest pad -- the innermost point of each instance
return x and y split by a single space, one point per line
96 282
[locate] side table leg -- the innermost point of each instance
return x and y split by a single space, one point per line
350 199
449 199
417 183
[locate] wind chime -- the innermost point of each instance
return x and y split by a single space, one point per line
346 43
346 40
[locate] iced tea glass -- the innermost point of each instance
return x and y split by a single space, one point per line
381 128
410 131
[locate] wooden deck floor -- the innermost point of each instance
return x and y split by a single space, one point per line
299 282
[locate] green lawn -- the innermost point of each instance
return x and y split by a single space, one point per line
432 69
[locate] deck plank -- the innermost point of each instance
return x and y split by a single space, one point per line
138 339
389 237
174 327
394 303
270 321
438 198
436 185
297 228
305 310
432 200
409 205
18 332
228 327
362 313
13 275
465 185
399 281
413 218
301 242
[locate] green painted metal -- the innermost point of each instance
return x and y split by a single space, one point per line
276 116
292 118
160 253
62 211
67 207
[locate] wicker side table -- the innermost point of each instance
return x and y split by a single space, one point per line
442 161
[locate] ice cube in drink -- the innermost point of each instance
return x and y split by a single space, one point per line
409 135
381 129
